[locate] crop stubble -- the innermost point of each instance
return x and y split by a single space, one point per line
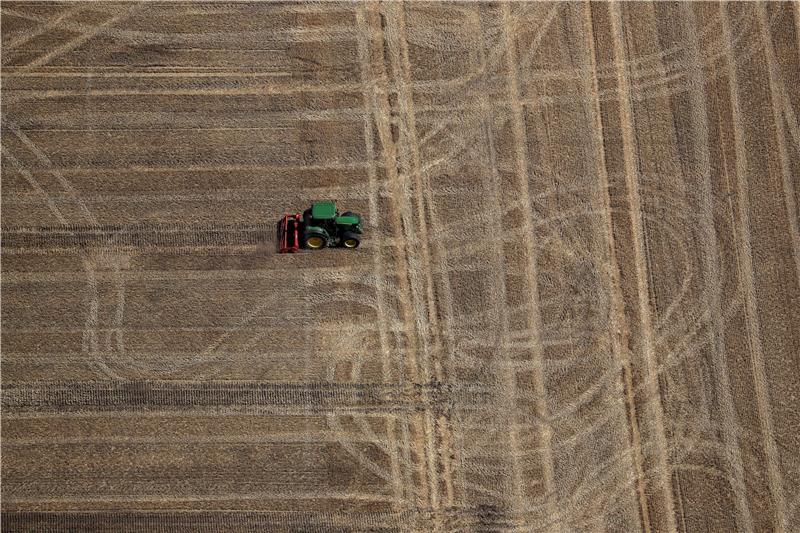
576 307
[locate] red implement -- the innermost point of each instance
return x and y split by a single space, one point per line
289 234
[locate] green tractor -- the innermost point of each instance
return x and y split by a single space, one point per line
318 227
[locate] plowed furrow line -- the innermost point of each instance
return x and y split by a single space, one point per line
266 521
149 395
136 236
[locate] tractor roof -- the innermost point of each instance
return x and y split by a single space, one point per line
348 220
323 210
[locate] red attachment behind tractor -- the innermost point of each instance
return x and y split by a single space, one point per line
289 234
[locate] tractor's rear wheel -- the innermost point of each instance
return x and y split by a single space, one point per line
315 241
350 239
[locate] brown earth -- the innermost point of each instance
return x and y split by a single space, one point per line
577 307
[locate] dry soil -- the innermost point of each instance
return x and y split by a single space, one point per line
576 308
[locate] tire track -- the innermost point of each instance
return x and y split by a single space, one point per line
388 133
379 268
532 277
597 478
656 414
711 274
671 360
292 34
657 88
606 71
637 64
620 330
433 254
501 309
542 28
90 343
666 310
781 107
424 304
46 26
492 56
347 445
72 193
83 37
744 256
796 12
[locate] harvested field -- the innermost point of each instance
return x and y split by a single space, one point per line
576 308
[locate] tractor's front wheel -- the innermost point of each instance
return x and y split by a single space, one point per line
350 239
315 241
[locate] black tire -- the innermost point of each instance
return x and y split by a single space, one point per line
315 240
307 217
347 214
350 239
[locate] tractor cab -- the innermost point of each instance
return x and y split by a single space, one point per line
320 226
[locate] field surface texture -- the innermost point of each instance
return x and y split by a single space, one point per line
576 306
